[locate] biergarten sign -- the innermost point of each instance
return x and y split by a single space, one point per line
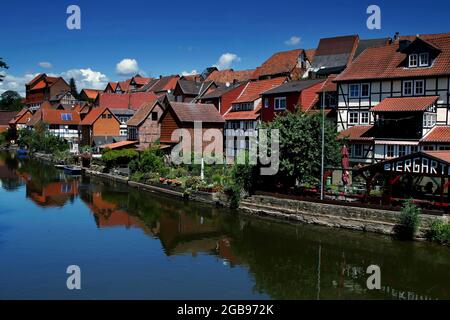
418 163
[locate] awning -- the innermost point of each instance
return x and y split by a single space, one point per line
411 104
118 145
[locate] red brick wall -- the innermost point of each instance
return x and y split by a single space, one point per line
150 130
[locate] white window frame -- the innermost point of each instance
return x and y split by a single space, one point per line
412 88
361 90
410 59
350 117
394 151
278 103
404 152
350 93
429 120
266 103
360 149
424 64
415 87
362 117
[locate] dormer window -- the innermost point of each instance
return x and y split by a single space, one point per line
413 60
424 59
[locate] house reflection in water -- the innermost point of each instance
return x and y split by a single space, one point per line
53 194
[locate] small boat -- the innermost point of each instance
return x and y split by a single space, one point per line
60 166
22 152
72 170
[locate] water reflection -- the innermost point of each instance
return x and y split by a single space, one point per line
284 261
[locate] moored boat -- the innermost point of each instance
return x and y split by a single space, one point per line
73 170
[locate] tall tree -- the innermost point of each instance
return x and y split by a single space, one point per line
73 88
11 101
3 65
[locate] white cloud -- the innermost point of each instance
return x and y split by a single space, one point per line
86 78
14 83
45 64
293 41
127 67
187 73
226 60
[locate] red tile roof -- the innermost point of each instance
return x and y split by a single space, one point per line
336 45
230 76
141 80
7 116
279 63
329 85
356 133
142 113
438 134
91 93
94 114
254 89
310 53
387 62
19 118
120 144
191 112
124 85
55 116
243 115
132 101
405 104
441 155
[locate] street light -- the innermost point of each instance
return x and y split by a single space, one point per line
323 148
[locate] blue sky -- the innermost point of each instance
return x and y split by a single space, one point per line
168 37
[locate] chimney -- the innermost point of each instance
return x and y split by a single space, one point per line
396 36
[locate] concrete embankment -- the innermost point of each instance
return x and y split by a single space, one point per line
330 215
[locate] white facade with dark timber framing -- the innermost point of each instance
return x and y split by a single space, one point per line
393 97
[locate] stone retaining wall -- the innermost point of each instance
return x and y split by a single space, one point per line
337 216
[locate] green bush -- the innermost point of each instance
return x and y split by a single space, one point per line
115 158
440 232
40 140
151 160
193 183
409 221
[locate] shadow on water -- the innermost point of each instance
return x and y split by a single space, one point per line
284 261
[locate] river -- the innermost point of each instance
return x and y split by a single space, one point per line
131 244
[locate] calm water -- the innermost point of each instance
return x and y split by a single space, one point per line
136 245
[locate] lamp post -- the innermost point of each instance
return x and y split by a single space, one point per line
323 148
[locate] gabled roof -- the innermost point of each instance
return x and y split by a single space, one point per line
387 62
55 116
94 114
405 104
329 85
141 81
18 117
42 81
439 134
357 133
91 93
230 76
193 87
243 115
279 63
191 112
293 86
134 100
124 85
334 52
113 86
370 43
220 91
254 89
162 84
143 113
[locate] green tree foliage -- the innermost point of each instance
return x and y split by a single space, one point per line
409 221
3 65
150 161
73 88
11 101
117 158
300 146
440 232
40 140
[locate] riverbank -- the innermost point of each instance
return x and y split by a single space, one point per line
306 212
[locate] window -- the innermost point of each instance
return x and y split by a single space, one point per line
428 148
424 59
266 103
356 150
414 149
401 151
365 90
354 90
66 116
429 120
353 118
280 103
103 116
365 117
446 148
390 151
407 88
109 116
123 132
418 87
413 60
154 116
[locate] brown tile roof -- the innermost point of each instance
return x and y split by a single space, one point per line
120 144
405 104
19 117
357 133
438 134
441 155
279 63
7 116
243 115
141 80
163 84
142 113
310 53
254 89
329 85
190 112
336 45
387 62
230 76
